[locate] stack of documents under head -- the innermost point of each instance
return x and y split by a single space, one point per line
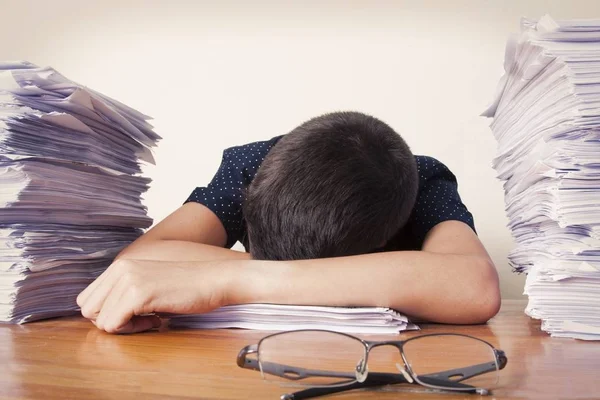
274 317
547 124
69 188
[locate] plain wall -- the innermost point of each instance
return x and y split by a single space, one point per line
215 74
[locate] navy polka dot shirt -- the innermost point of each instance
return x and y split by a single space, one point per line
437 199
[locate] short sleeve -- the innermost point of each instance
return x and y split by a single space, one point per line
224 195
438 199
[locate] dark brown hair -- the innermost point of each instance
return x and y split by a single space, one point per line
340 184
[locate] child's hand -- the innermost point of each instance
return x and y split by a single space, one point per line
117 301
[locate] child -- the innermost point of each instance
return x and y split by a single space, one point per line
337 212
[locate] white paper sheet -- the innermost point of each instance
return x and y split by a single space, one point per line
275 317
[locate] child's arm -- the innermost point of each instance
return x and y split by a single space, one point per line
452 281
191 233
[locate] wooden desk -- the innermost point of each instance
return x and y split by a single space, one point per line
71 359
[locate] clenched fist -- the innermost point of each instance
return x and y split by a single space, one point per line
124 298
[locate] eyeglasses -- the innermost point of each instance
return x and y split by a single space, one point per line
330 362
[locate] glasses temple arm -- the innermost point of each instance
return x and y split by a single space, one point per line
373 379
440 379
469 372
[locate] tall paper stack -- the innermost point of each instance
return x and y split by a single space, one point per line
547 124
70 188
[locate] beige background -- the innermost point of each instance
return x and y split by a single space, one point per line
215 74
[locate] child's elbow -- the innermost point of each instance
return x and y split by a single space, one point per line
486 302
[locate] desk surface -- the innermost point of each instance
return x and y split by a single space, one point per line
71 359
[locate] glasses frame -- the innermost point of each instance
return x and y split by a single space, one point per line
439 380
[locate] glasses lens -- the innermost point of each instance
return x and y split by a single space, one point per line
311 358
452 362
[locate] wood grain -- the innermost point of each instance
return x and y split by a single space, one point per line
71 359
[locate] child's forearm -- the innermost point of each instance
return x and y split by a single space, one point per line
177 250
446 288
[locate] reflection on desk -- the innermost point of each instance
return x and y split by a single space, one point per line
71 359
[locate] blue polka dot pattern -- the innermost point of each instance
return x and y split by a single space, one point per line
224 195
437 200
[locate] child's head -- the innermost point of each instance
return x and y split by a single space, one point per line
340 184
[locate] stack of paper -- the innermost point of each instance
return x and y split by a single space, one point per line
275 317
547 124
69 188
